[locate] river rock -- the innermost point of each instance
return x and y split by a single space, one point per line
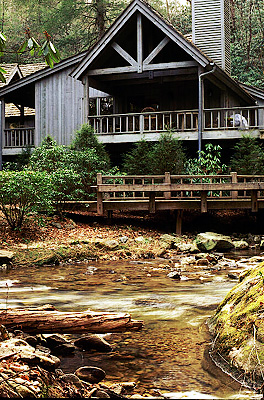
54 340
90 374
6 256
93 342
140 239
101 394
72 378
28 353
174 275
64 349
262 244
32 340
170 240
209 241
123 239
109 244
240 244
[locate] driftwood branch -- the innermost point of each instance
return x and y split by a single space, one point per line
47 319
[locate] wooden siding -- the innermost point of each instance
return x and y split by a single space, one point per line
211 30
58 105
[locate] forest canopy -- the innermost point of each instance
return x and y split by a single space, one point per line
75 25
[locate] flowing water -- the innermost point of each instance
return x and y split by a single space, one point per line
168 354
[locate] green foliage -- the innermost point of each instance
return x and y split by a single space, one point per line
22 192
49 156
66 186
208 162
167 155
86 139
248 157
88 157
139 159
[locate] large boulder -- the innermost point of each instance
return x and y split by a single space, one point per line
209 241
90 374
93 342
238 327
6 256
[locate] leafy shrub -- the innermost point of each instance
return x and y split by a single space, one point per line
85 139
209 162
66 186
139 160
168 155
22 192
248 157
49 156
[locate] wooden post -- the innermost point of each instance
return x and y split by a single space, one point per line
167 179
139 44
152 206
109 215
254 200
234 193
100 207
179 214
203 201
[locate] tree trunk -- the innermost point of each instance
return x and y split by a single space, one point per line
47 319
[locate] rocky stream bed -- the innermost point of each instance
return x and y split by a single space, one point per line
30 365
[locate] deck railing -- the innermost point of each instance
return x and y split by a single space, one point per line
231 188
180 120
160 121
227 118
19 137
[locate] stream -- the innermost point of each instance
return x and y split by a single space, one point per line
167 356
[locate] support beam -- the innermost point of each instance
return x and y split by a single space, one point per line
123 53
179 214
254 201
167 179
139 43
2 127
85 82
204 201
234 193
100 207
156 51
152 207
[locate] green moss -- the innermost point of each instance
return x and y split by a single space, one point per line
237 323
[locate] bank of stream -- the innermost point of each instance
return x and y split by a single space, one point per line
167 356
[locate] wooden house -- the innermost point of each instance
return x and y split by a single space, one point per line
143 77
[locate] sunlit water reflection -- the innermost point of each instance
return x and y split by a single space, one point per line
167 355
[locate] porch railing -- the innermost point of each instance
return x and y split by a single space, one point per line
160 121
19 137
182 120
234 118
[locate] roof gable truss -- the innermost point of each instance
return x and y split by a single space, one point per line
141 63
134 63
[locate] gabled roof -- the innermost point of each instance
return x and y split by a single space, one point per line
141 6
146 10
29 77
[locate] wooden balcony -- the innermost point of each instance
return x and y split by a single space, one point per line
218 123
16 139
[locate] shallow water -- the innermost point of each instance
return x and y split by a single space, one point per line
167 355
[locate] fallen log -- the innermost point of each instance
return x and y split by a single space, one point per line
47 319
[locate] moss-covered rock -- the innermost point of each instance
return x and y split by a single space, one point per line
209 241
238 325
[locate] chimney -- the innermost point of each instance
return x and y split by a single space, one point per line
211 30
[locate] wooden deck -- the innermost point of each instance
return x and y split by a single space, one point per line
153 193
218 123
